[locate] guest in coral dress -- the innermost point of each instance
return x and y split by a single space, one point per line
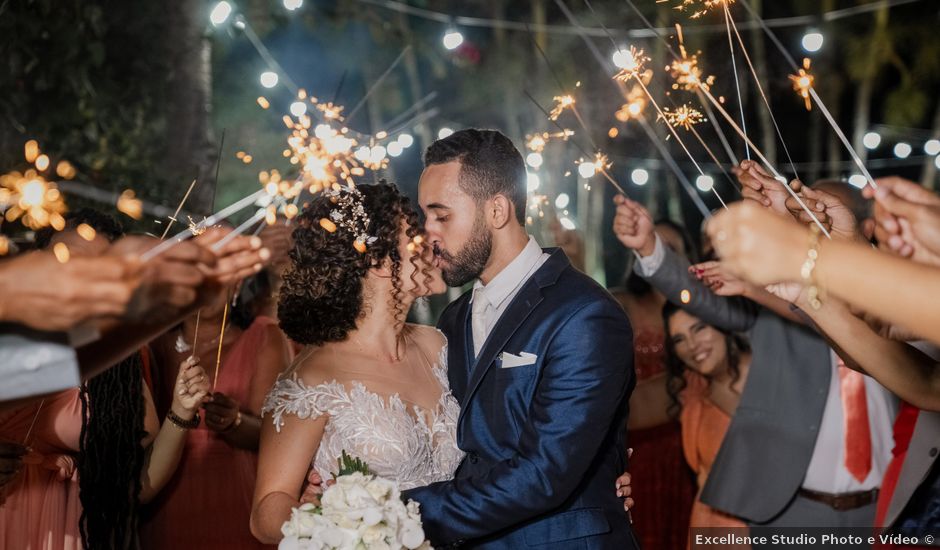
207 504
707 371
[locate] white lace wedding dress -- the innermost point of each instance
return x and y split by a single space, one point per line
402 442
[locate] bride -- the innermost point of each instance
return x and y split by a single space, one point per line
367 382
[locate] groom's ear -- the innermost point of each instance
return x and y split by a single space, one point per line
499 211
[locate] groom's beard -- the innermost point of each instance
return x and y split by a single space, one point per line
470 261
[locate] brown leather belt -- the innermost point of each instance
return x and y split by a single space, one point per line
844 501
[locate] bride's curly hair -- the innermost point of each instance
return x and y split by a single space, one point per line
321 298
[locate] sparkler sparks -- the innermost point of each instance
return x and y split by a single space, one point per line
684 117
28 197
631 64
687 74
537 142
129 204
634 107
803 82
698 8
562 102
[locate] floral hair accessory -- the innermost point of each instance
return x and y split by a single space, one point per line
349 214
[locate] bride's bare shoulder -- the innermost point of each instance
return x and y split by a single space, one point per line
427 336
315 365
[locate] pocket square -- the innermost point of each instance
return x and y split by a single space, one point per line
510 361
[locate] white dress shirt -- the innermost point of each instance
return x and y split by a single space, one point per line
491 300
826 472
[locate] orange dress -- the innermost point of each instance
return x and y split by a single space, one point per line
42 508
704 425
207 504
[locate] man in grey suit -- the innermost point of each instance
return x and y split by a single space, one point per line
782 462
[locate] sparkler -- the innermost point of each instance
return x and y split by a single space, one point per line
631 70
537 142
812 92
698 7
684 117
687 117
562 102
803 82
33 200
130 205
767 163
178 208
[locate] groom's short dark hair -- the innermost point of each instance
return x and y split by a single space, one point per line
490 165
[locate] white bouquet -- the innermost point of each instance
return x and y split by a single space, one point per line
360 511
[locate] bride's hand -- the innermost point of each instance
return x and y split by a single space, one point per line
313 488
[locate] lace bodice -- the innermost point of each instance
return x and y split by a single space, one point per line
401 442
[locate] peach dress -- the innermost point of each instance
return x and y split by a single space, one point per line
704 425
207 503
42 508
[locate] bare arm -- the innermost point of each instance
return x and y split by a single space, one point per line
901 368
283 462
163 456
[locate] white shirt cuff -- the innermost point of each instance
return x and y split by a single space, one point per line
650 264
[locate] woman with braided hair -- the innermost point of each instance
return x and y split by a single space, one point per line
96 452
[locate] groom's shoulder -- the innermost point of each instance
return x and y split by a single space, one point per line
450 311
575 289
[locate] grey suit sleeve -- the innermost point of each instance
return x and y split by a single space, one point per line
672 276
31 367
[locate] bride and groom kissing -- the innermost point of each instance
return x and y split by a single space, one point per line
506 424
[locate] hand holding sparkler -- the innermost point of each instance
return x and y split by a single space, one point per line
907 218
759 248
633 226
236 259
835 215
758 185
38 291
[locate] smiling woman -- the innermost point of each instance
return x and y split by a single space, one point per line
707 369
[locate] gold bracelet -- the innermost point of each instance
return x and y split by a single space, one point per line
808 269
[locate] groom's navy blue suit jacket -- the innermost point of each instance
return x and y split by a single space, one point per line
544 441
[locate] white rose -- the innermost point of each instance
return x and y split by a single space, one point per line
290 542
411 534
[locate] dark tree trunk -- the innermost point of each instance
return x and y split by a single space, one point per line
189 150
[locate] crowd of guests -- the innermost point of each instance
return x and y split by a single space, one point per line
785 379
802 369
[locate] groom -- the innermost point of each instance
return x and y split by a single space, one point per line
539 358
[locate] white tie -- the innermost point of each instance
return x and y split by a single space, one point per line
478 320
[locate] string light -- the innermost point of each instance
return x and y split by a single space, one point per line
220 13
871 140
932 147
858 180
533 182
452 39
704 183
902 150
444 132
639 176
292 5
562 201
406 140
534 160
269 79
812 41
